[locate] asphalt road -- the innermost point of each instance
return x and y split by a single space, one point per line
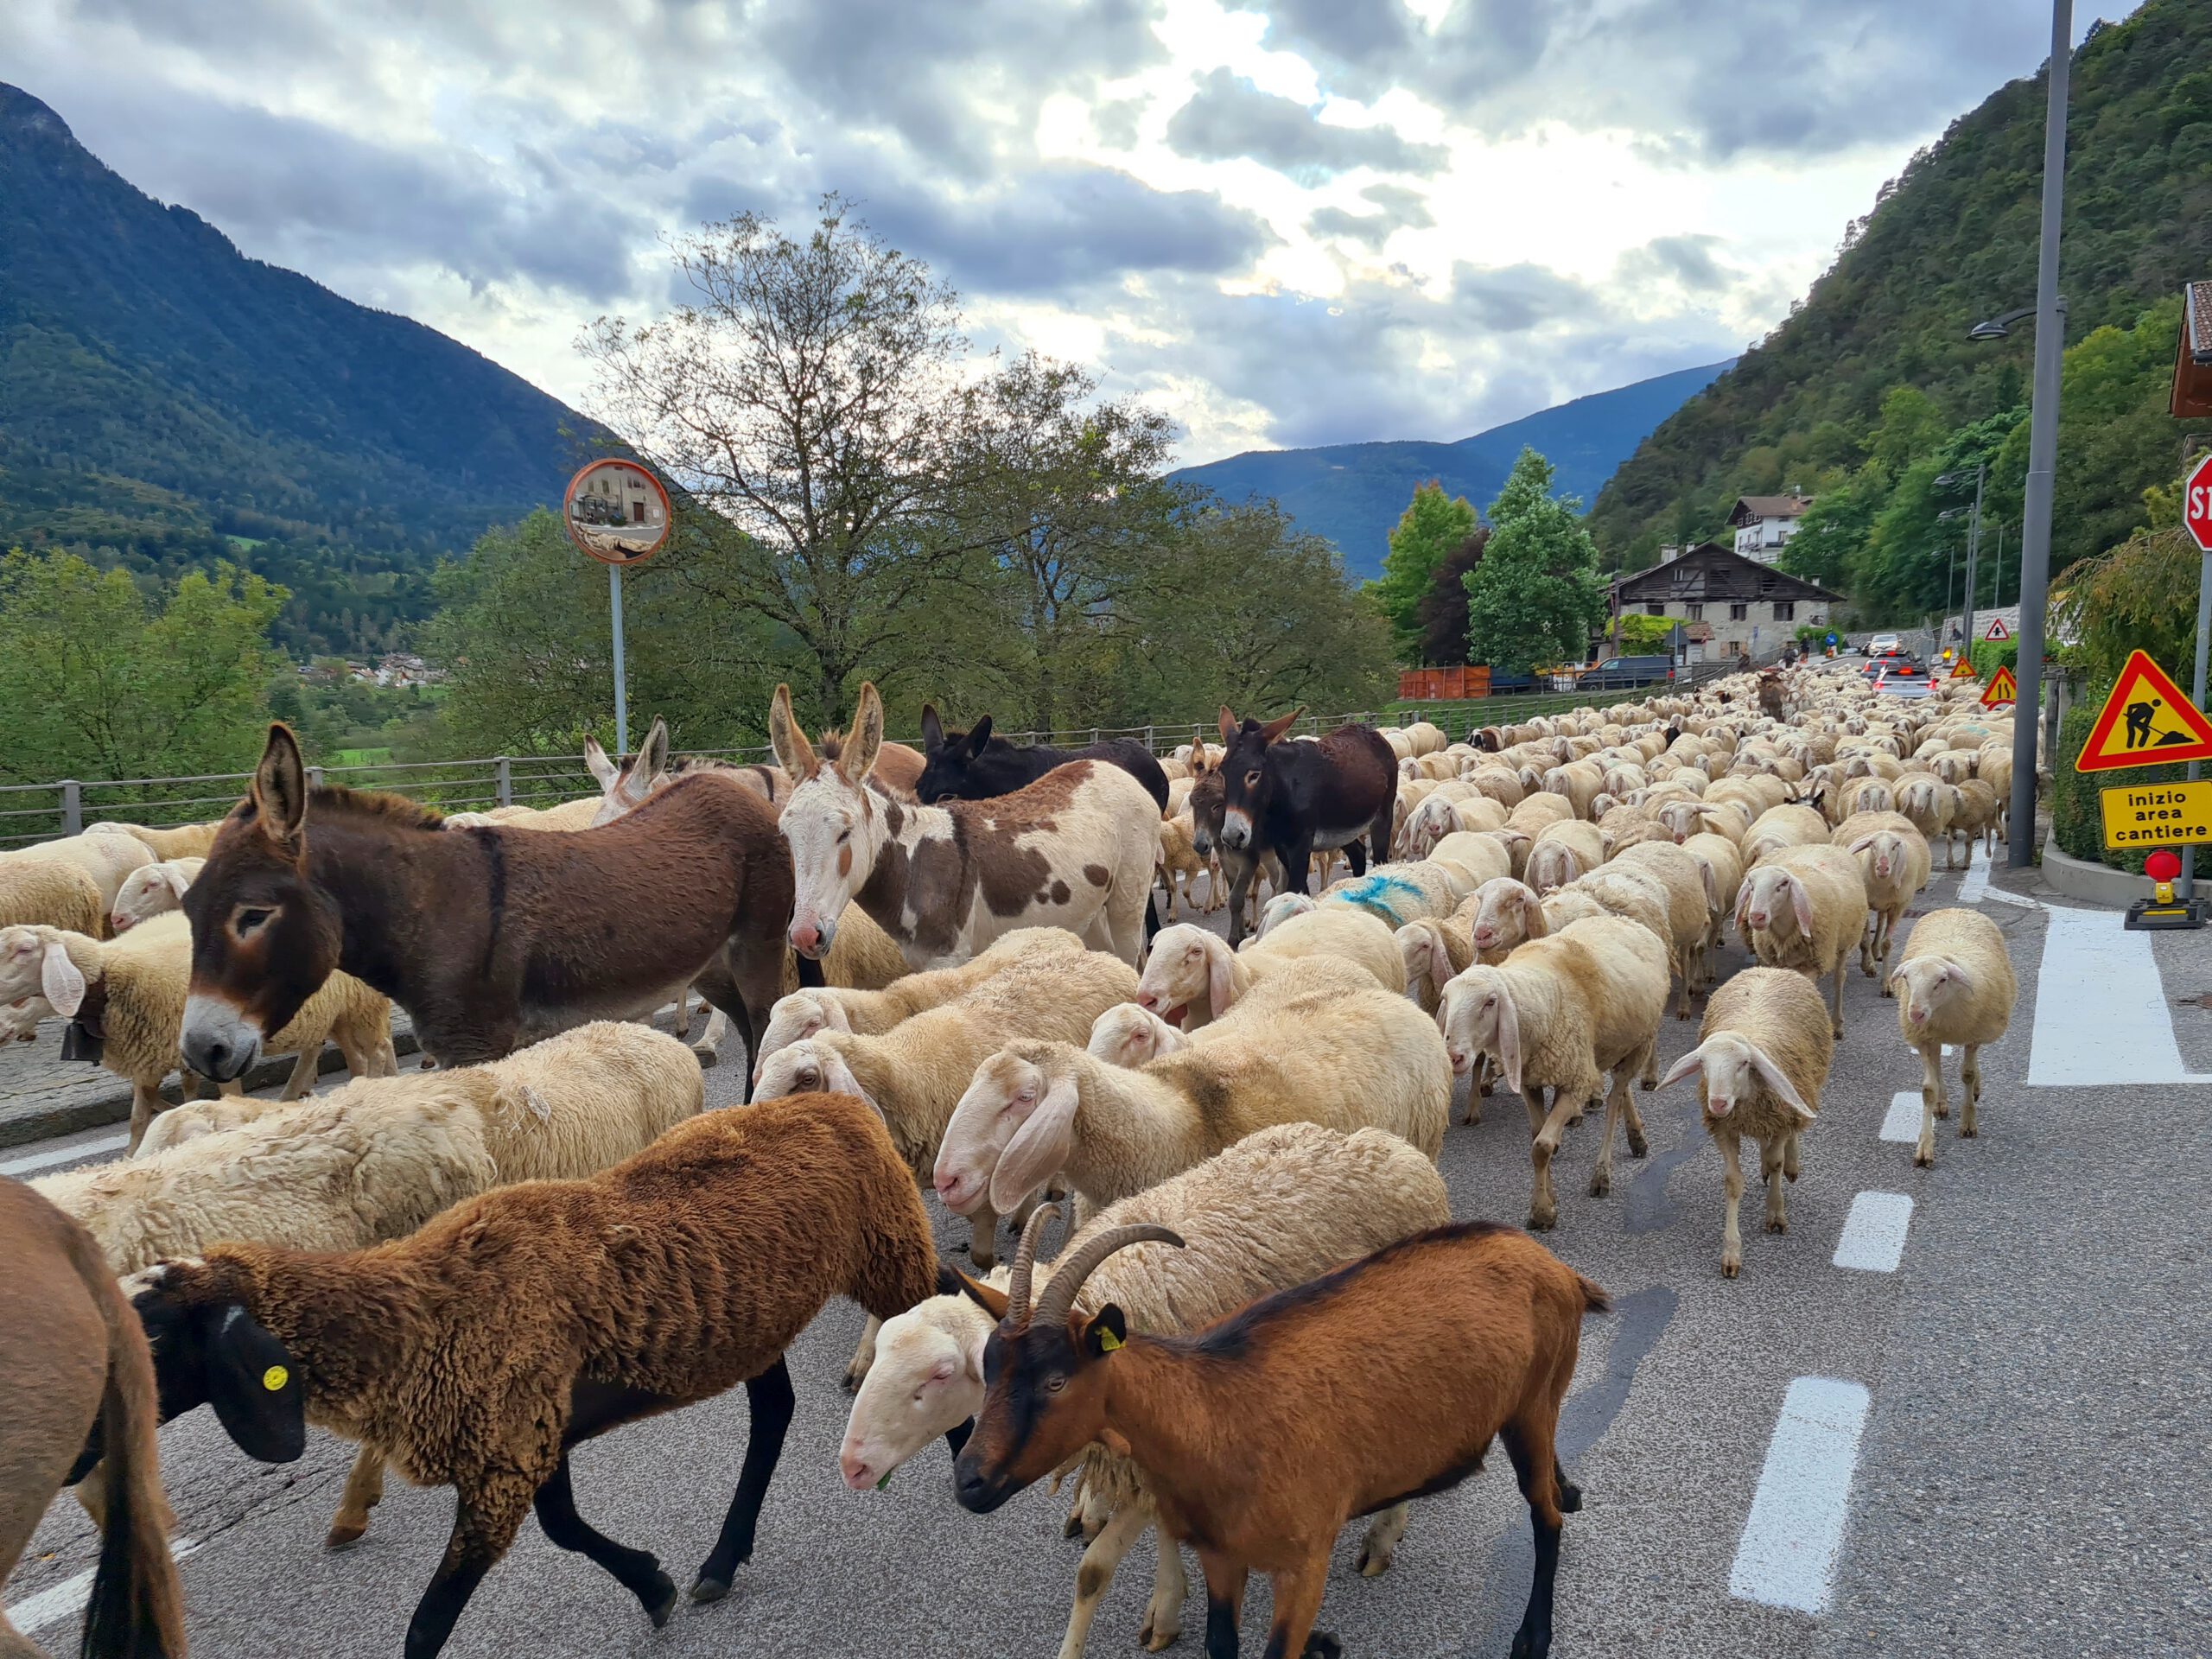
2028 1387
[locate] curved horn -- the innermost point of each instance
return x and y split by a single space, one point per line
1025 1264
1059 1300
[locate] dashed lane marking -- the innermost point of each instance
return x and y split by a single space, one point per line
1872 1240
2100 1007
38 1160
1902 1122
63 1600
1787 1555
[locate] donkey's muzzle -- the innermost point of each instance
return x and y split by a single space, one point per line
216 1040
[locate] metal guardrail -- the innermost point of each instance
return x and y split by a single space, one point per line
33 812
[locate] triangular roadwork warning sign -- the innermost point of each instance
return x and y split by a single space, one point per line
1998 630
1962 670
2146 722
2003 691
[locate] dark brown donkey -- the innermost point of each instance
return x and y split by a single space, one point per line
1292 797
489 937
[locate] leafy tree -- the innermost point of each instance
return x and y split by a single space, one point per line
1069 503
2142 593
99 681
1260 615
1444 606
1643 636
525 638
1433 524
1535 596
811 395
1833 535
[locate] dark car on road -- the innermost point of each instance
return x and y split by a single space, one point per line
1626 673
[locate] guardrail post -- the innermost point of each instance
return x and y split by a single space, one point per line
73 806
506 781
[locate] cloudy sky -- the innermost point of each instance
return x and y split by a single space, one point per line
1288 222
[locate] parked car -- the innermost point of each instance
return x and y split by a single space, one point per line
1884 644
1624 673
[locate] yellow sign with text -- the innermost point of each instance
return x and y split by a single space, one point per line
2157 814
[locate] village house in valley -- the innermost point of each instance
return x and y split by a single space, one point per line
1728 606
1764 524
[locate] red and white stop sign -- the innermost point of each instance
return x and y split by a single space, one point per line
2196 503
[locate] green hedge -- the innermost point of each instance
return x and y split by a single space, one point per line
1989 655
2075 824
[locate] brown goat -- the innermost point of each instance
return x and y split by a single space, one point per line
476 1351
74 1357
1262 1435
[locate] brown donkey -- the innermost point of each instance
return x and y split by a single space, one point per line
489 937
75 1358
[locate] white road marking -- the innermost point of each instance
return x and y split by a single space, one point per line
38 1160
66 1599
1902 1122
1872 1240
1788 1552
1975 887
2100 1007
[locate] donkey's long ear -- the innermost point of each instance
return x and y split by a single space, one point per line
280 786
866 738
1228 724
652 758
979 734
604 770
932 729
1275 728
793 753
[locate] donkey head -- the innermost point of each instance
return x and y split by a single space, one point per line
264 936
626 788
947 758
1245 779
834 822
1044 1370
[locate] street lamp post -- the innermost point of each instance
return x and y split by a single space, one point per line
2050 312
1974 547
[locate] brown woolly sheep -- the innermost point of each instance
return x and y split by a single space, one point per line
476 1351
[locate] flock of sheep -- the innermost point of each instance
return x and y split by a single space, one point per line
525 1240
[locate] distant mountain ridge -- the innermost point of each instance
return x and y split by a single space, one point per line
164 397
1353 493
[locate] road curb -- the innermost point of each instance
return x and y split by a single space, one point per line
2092 884
22 1122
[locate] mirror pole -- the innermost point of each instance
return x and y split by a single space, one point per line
621 695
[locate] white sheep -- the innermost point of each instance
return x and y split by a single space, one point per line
1931 804
1396 893
1562 1012
1128 1034
178 841
1563 852
1805 908
152 890
375 1160
1762 1058
1955 985
1277 911
106 855
137 985
1477 856
1723 879
36 892
1893 862
1192 978
1300 1048
915 1074
871 1013
1279 1207
1684 881
1781 826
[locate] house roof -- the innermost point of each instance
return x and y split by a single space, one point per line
2199 321
1710 571
1750 507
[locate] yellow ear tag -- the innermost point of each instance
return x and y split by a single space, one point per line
275 1378
1108 1342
